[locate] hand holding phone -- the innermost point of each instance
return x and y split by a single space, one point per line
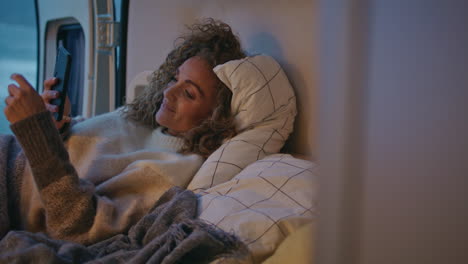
62 73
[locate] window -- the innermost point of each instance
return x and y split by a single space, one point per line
18 47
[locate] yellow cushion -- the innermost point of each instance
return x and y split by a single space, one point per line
296 248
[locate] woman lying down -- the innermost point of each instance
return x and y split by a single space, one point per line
109 171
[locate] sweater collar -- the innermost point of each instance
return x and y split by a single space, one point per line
166 141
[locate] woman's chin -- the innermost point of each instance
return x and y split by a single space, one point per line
159 118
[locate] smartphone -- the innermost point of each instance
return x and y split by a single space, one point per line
62 73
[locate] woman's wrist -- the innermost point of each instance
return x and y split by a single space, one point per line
38 137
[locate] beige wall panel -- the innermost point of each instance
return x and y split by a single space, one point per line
282 29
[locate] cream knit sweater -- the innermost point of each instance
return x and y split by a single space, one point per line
112 175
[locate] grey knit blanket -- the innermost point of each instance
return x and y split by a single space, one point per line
11 166
169 233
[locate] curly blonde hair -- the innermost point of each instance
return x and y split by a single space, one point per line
215 42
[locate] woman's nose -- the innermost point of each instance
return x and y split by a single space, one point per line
170 92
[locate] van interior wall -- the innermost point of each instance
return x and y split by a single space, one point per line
283 29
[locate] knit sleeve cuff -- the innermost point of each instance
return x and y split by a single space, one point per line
39 138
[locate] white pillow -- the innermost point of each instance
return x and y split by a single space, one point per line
267 201
264 106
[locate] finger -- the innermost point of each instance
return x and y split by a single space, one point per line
9 100
67 107
49 83
14 90
47 95
52 108
24 84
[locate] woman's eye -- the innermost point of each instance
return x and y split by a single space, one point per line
189 95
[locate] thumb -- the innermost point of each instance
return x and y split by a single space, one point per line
66 119
61 123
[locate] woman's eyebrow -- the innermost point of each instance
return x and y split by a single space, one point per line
192 83
196 86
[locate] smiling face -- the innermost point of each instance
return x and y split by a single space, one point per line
190 98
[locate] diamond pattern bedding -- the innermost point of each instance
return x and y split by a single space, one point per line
264 203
